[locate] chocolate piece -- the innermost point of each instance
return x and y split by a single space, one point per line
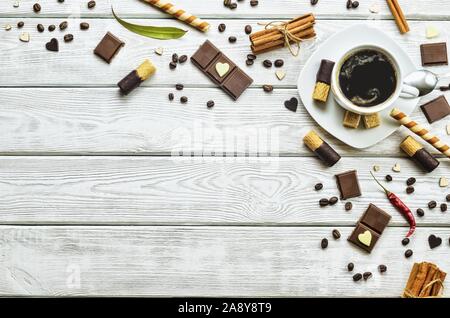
419 154
434 54
325 71
108 47
436 109
348 184
321 148
369 228
220 69
136 77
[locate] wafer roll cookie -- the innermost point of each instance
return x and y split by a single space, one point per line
323 150
136 77
419 154
323 81
180 14
371 121
351 120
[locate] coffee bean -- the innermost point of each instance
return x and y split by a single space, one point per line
63 25
324 243
91 4
182 59
267 63
350 267
443 207
40 28
172 65
232 39
410 181
447 198
314 2
171 97
357 277
232 5
179 87
248 29
226 3
222 27
432 204
355 4
388 178
183 99
68 38
405 241
408 253
382 268
324 202
254 3
333 200
37 7
409 189
278 63
367 275
20 24
60 1
349 4
249 62
210 104
420 212
348 206
251 57
84 25
268 88
318 186
51 27
336 234
175 57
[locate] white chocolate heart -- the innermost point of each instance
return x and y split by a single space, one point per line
222 68
448 129
159 51
431 32
280 74
443 182
365 238
396 167
24 37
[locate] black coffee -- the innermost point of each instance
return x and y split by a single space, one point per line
367 78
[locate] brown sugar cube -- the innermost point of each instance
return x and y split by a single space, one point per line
371 121
351 120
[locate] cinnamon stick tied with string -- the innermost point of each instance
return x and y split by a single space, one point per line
426 280
399 17
280 34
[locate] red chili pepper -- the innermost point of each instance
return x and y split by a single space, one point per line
400 206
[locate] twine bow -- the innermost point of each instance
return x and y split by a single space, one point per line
408 294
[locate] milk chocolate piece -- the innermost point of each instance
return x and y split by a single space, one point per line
221 70
325 71
108 47
419 154
361 229
434 54
322 149
436 109
348 184
375 218
136 77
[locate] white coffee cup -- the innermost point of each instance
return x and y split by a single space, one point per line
400 89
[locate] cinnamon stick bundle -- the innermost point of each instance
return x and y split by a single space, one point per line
425 280
273 37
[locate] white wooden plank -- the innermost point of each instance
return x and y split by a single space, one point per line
204 261
158 190
76 65
100 121
215 9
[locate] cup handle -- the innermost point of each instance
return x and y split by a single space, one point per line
409 91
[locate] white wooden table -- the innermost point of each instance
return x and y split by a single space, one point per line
105 195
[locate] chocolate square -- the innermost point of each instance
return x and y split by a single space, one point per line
212 71
361 229
434 54
348 184
205 55
436 109
375 218
237 83
108 47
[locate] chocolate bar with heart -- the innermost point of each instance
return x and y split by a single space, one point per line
221 70
369 228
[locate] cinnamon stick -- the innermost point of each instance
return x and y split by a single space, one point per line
399 17
278 35
426 290
412 277
420 279
291 24
436 290
306 34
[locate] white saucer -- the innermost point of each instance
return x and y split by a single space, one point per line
330 115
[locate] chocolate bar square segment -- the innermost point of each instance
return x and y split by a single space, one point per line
434 54
364 237
108 47
205 55
375 218
220 68
436 109
348 184
237 83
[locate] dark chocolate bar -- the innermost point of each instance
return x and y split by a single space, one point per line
434 54
108 47
348 184
325 71
221 70
419 154
436 109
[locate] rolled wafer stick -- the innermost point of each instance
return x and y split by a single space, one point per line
180 14
420 131
321 148
420 155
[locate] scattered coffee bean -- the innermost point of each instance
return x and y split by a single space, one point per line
357 277
318 186
248 29
324 202
175 57
232 39
420 212
222 27
355 4
37 7
349 4
68 38
84 25
179 87
279 63
210 104
51 27
254 3
172 65
171 96
233 6
60 1
382 268
314 2
182 59
443 207
183 99
226 3
63 25
348 206
249 62
40 28
409 189
432 204
324 243
447 198
91 4
251 57
388 178
408 253
336 234
20 24
410 181
350 267
268 88
405 241
267 63
333 200
367 275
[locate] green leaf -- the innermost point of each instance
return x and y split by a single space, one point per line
160 33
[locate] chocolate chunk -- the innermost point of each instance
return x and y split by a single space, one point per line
375 218
436 109
291 104
364 237
348 184
434 241
108 47
434 54
325 71
237 83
